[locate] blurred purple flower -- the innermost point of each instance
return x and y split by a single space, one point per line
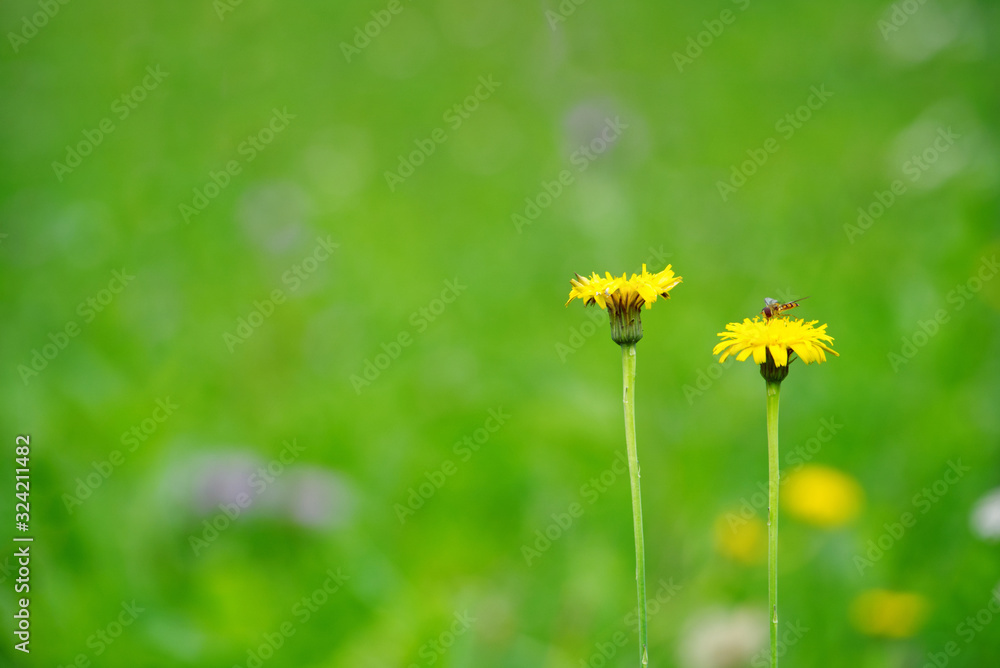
318 498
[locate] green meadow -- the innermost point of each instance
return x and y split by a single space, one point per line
283 290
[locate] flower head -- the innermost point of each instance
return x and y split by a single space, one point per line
620 293
624 298
889 614
772 341
822 496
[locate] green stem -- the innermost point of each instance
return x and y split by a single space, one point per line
628 373
773 478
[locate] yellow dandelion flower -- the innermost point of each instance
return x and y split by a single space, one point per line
777 336
889 614
774 342
620 293
822 496
624 298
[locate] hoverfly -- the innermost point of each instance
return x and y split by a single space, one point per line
774 308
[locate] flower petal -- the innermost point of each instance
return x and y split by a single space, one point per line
779 336
779 353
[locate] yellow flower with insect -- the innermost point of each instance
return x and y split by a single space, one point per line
623 298
774 342
778 336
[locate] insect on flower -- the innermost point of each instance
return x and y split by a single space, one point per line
774 308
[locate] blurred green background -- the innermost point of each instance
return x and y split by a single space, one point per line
279 507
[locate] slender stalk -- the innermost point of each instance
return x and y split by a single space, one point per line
628 398
773 477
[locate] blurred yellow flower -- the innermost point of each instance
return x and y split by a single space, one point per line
889 614
779 336
743 540
822 496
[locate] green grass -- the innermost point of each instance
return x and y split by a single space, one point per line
502 343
